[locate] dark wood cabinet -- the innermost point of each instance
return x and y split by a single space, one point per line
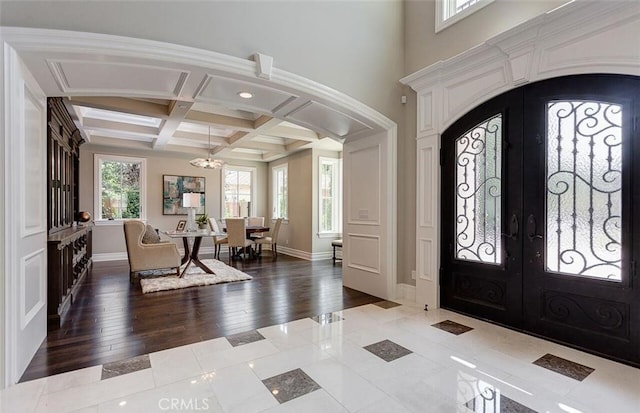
69 244
69 261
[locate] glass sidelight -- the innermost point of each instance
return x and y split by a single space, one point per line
584 189
478 192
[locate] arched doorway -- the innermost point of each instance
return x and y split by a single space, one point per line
38 58
538 212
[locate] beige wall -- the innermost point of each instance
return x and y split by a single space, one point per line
110 239
295 232
423 46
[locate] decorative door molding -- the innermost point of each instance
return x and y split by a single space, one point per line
581 37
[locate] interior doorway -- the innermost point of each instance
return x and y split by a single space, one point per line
539 192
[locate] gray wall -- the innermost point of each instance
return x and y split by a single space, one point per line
110 239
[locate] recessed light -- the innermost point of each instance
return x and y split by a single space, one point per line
245 95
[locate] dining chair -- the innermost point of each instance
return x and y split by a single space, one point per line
217 241
271 239
256 221
237 236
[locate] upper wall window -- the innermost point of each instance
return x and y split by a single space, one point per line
451 11
330 187
238 191
280 189
121 186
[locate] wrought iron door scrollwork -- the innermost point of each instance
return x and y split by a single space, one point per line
478 192
584 188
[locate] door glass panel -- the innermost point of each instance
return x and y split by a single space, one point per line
478 192
584 188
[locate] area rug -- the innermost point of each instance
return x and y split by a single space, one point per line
195 276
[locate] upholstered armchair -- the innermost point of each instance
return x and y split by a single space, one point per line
148 256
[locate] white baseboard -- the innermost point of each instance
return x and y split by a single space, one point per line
109 256
305 255
406 292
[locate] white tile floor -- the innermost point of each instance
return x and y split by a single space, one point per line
443 373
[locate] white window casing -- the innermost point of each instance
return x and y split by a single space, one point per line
100 217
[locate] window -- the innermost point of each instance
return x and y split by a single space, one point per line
120 190
280 186
238 191
329 185
451 11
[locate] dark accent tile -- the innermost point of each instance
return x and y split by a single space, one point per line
387 350
452 327
118 368
287 386
487 403
387 304
563 366
327 318
244 338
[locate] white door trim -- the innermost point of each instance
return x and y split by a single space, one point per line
578 38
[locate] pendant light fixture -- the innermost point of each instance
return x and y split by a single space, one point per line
207 163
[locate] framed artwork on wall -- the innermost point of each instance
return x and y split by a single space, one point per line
173 186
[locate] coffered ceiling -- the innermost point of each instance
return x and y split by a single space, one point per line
144 103
196 128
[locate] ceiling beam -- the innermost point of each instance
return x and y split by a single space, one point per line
129 128
178 109
297 145
123 105
293 133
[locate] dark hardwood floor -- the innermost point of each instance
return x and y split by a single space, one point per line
112 320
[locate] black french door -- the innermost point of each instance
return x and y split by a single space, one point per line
540 187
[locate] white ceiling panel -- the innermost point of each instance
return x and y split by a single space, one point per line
339 124
112 79
225 91
204 129
247 150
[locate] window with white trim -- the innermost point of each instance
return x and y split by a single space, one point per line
238 191
330 195
120 187
451 11
280 187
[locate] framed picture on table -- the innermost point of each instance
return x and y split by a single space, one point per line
181 224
